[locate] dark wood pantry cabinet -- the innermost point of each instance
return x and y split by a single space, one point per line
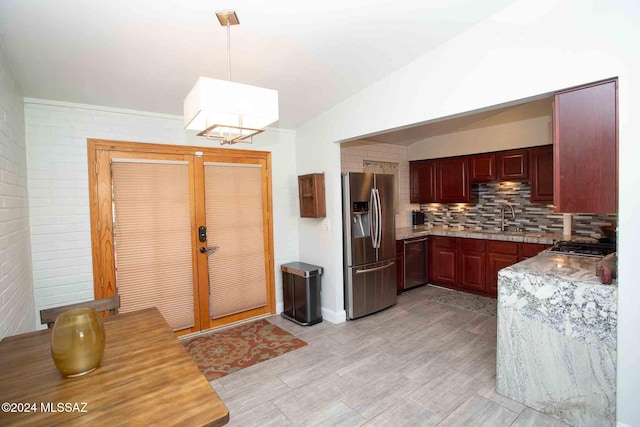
586 148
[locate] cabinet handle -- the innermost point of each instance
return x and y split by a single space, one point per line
415 241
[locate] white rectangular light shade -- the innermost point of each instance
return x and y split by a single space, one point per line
222 102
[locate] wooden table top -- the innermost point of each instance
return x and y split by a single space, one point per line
146 377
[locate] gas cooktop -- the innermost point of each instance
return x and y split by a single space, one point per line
583 248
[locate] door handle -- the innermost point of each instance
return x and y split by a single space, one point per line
208 250
375 268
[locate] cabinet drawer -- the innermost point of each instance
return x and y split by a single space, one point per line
476 245
528 250
499 247
444 242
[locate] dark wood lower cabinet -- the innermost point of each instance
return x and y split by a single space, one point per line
472 265
529 250
399 266
443 257
495 263
472 271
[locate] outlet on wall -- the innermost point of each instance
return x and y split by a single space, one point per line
326 224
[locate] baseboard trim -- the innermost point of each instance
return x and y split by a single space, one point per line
334 316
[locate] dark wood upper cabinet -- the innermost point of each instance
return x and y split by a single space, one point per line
541 172
482 168
311 195
586 149
452 180
513 165
422 175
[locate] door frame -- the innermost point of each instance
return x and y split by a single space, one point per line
102 249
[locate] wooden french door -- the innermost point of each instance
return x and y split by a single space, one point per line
186 229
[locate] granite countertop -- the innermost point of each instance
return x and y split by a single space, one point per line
511 236
564 293
556 344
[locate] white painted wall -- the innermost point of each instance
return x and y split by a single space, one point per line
527 125
352 156
58 189
530 48
16 286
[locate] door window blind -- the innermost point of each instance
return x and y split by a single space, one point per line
152 235
233 200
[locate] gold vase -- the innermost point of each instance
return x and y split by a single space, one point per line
77 342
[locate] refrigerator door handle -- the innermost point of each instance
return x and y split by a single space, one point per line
375 268
372 222
379 218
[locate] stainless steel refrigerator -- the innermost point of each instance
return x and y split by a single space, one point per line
369 243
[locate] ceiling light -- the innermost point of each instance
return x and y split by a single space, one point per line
227 111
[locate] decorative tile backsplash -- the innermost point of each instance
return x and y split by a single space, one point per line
485 212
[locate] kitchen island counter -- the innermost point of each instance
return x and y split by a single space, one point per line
556 347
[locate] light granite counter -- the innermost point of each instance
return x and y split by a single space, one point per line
556 348
511 236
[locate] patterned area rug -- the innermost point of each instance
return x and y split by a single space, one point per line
224 352
476 303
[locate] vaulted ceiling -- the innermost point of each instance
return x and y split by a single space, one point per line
147 54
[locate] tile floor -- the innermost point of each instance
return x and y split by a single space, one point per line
418 363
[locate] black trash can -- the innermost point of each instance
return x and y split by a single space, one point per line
301 288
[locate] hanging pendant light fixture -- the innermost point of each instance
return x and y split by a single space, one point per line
227 111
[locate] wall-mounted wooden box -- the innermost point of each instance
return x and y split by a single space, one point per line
311 194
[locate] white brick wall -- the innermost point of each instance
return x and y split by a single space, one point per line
16 287
59 196
352 154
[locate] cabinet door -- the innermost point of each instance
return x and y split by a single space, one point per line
452 180
513 165
528 250
422 177
472 271
586 149
495 263
482 168
443 260
311 195
541 171
399 266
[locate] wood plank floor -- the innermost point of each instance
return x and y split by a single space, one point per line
419 363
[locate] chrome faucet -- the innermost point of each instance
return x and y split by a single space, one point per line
502 219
